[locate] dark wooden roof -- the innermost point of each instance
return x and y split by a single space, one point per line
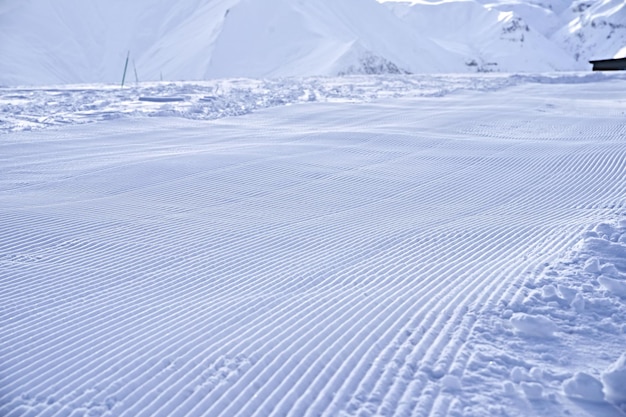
616 64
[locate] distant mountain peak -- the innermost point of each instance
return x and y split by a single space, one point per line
73 41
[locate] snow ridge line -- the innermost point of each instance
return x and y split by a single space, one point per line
27 108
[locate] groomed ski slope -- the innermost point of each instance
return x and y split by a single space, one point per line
462 254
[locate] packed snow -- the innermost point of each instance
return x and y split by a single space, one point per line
407 245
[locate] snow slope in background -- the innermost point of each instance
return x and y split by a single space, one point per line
545 20
490 40
423 253
584 29
588 29
596 29
63 41
73 41
296 37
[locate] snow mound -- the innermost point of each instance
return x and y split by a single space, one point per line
36 108
537 326
605 247
617 287
584 387
532 390
580 300
614 379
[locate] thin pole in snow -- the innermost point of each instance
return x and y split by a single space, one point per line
125 68
136 76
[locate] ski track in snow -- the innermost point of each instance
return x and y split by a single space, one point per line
403 256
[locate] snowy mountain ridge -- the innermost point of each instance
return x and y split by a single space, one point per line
489 39
72 41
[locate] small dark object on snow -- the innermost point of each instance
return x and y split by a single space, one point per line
161 99
617 64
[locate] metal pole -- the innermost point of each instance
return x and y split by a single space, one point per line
125 68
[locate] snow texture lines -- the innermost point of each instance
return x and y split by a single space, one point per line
279 264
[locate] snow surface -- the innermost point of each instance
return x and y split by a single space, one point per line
359 246
47 42
31 108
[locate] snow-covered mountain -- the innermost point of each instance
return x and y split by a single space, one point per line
73 41
586 29
488 38
59 41
596 30
298 37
